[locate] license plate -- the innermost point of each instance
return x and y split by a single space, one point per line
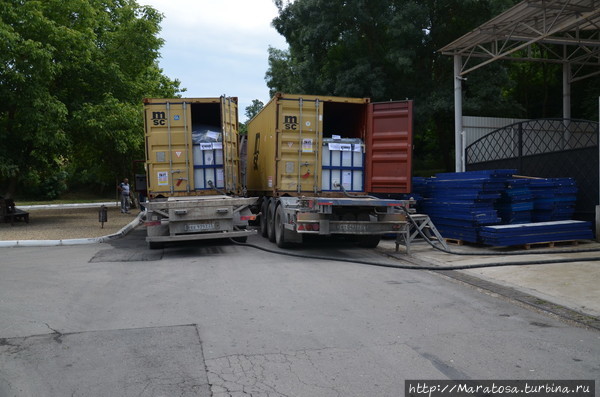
351 228
201 227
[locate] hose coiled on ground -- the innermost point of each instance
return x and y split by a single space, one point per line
415 267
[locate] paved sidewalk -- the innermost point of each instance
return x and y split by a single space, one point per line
573 285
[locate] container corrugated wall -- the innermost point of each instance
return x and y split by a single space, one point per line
191 146
389 147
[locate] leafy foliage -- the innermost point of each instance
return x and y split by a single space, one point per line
72 78
251 111
388 49
254 108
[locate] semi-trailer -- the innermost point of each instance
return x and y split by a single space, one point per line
320 165
194 185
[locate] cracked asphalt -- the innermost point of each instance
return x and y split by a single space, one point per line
218 319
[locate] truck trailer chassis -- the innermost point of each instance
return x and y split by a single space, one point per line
285 220
198 218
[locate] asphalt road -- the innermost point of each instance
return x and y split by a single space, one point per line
219 319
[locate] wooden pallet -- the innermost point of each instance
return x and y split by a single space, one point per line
550 244
454 241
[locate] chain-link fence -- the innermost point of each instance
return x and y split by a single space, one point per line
547 148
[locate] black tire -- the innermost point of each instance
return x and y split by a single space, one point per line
371 241
271 221
263 218
280 229
155 246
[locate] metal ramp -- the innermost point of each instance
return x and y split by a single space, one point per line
417 225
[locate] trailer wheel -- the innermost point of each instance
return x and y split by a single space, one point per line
280 229
264 218
153 245
371 241
271 221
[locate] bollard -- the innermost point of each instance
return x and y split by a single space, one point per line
103 215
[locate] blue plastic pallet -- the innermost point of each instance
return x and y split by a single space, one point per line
535 232
558 225
466 234
503 173
509 241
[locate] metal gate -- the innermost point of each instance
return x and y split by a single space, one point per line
547 148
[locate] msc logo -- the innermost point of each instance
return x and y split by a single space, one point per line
159 118
290 122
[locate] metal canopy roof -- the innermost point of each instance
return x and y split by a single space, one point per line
558 31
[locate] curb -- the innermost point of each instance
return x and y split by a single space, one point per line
55 206
75 241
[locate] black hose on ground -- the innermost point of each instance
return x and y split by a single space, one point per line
445 268
415 267
488 253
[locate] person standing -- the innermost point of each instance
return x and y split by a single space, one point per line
123 187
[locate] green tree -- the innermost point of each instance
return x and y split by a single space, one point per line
72 77
447 20
251 111
281 74
387 49
254 108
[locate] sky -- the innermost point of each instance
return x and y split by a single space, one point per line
218 47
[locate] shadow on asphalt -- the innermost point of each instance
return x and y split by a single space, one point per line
129 248
133 247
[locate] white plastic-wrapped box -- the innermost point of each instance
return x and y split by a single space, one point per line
342 161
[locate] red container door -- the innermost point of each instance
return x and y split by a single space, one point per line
389 147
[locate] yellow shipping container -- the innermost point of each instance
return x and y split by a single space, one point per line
192 146
285 141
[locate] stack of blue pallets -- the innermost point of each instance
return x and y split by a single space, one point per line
516 202
540 232
543 199
420 189
554 199
460 203
566 198
468 205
